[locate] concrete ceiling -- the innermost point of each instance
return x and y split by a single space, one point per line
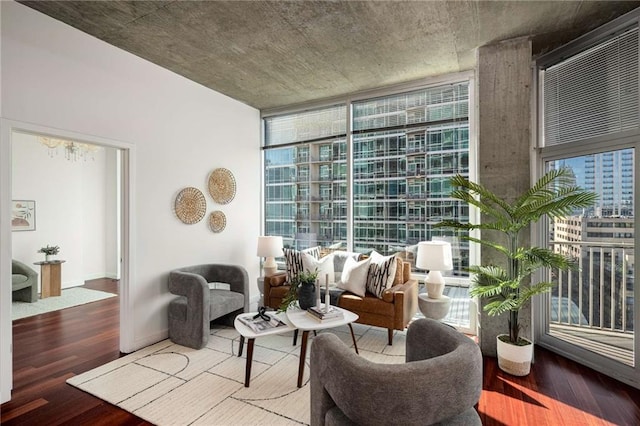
275 53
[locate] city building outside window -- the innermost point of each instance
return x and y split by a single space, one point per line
404 149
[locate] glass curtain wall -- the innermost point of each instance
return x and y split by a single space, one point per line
404 149
305 172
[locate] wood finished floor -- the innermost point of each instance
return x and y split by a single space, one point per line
50 348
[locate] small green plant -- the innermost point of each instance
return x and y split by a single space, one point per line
292 295
49 250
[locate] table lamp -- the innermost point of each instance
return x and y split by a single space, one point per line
270 247
434 256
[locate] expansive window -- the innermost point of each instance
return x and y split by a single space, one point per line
380 185
589 96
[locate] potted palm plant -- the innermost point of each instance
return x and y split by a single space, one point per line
507 288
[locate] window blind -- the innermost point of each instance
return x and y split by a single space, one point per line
593 93
306 126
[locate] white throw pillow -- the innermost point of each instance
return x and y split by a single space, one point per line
324 267
382 271
354 276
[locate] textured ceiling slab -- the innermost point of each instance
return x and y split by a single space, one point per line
276 53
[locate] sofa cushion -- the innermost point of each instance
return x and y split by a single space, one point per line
293 260
368 304
231 301
354 276
382 272
324 267
17 279
399 276
340 257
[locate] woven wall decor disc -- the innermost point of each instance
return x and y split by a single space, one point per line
190 205
222 186
217 221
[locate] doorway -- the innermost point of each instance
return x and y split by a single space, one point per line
11 132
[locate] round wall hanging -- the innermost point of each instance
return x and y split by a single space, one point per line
190 205
217 221
222 186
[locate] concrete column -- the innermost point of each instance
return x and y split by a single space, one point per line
504 79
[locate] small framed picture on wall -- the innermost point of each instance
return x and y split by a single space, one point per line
23 215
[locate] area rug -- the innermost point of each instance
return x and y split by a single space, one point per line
169 384
73 296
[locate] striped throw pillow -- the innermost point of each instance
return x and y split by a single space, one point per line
293 260
382 271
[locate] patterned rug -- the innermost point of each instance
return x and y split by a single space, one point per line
73 296
169 384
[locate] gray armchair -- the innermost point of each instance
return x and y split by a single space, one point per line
24 282
439 384
191 313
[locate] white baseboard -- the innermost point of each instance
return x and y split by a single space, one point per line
150 340
69 284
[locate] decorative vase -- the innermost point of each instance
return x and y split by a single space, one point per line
46 257
513 359
306 295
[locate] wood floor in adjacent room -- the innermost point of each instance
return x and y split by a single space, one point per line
50 348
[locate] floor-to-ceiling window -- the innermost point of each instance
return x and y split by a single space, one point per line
370 173
406 147
589 99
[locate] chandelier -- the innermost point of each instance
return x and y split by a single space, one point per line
73 151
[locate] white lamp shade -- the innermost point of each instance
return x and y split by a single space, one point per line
270 246
434 256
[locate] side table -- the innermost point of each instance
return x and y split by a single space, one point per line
51 277
434 308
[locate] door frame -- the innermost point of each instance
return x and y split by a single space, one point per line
127 232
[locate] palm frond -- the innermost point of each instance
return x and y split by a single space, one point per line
527 293
484 194
498 307
502 249
482 205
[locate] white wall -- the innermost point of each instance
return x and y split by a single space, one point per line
72 209
59 77
112 239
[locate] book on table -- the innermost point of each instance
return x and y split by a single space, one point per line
323 315
260 324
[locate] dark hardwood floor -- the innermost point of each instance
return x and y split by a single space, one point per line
50 348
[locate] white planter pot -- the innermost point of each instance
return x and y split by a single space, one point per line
514 359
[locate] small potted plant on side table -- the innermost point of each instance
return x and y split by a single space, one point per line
301 289
49 251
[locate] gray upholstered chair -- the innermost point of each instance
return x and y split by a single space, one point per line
198 305
24 282
439 384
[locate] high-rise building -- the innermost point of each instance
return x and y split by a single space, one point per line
610 175
405 149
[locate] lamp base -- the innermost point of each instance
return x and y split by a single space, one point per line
269 271
434 290
434 284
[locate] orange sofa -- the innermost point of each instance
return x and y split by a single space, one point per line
397 307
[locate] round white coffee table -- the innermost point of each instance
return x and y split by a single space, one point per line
434 308
248 333
300 320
